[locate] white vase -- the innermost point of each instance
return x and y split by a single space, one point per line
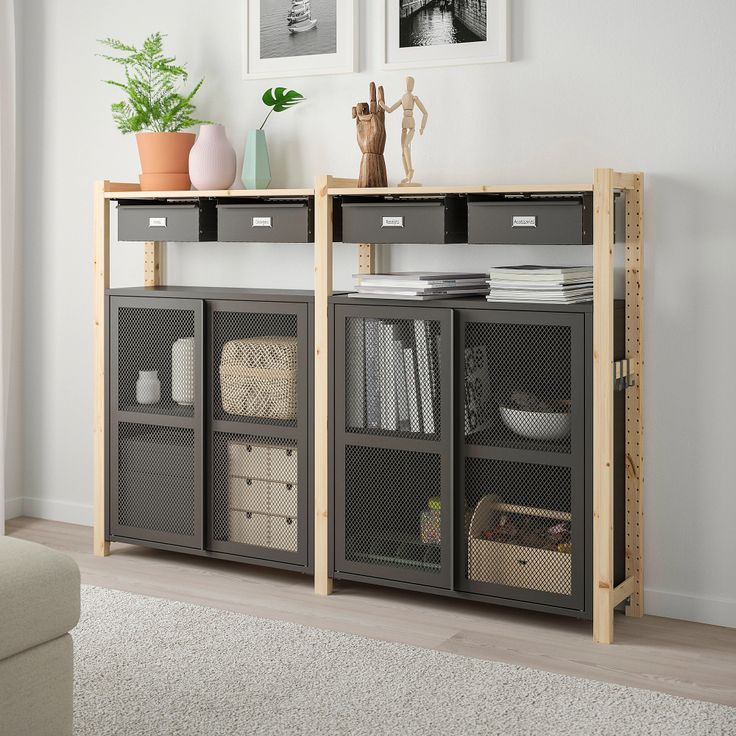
212 159
148 388
182 371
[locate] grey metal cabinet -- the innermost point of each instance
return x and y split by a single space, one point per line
484 490
209 403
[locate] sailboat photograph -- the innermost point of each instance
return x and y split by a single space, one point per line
291 28
300 17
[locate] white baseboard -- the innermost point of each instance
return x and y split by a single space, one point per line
13 507
705 610
56 510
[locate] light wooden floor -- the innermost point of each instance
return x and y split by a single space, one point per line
682 658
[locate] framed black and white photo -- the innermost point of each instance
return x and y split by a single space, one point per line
299 37
444 32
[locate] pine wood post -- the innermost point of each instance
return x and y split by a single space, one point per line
322 293
367 258
603 406
152 259
101 281
635 394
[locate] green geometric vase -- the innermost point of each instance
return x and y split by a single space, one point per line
256 169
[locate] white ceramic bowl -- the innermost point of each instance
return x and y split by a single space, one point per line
537 425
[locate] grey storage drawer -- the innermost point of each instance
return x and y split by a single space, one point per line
266 222
168 221
404 220
535 220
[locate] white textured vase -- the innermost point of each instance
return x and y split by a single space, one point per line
182 371
148 388
212 159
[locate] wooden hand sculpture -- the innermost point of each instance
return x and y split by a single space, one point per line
371 139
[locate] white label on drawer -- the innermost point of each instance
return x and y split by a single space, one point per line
156 222
524 221
262 222
392 221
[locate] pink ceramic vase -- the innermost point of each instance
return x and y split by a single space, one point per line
212 159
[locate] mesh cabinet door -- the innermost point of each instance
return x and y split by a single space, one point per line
520 510
392 419
156 416
259 480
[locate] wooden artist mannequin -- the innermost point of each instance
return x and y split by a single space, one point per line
407 101
371 128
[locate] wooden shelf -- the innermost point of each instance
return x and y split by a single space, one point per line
473 189
193 194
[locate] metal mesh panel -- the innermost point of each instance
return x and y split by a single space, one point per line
160 340
392 508
255 367
255 497
520 531
392 377
518 386
156 479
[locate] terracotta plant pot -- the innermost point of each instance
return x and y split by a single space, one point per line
164 160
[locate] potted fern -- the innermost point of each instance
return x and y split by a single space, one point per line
156 111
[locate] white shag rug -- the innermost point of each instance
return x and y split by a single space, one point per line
146 666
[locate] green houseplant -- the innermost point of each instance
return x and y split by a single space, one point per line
155 110
256 166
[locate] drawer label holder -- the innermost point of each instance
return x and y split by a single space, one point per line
156 222
524 221
262 222
392 221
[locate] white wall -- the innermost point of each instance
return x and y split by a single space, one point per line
631 84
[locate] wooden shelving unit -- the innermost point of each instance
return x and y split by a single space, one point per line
605 183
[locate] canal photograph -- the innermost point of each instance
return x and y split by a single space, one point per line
441 22
298 28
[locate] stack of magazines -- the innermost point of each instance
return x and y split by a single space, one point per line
541 284
419 285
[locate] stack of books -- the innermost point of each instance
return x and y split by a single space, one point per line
541 284
393 375
419 285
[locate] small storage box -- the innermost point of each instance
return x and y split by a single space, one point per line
404 220
519 567
258 377
284 533
535 220
281 221
266 462
142 220
249 494
247 527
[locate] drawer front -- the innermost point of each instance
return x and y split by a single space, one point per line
394 222
265 223
283 499
248 494
248 461
283 533
283 464
531 223
250 528
177 222
520 567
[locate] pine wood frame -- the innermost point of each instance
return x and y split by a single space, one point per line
605 183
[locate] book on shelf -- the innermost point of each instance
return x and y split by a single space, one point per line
419 285
392 375
540 273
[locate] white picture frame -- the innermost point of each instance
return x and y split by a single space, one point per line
494 49
343 61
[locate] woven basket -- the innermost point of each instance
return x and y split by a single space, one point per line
258 377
